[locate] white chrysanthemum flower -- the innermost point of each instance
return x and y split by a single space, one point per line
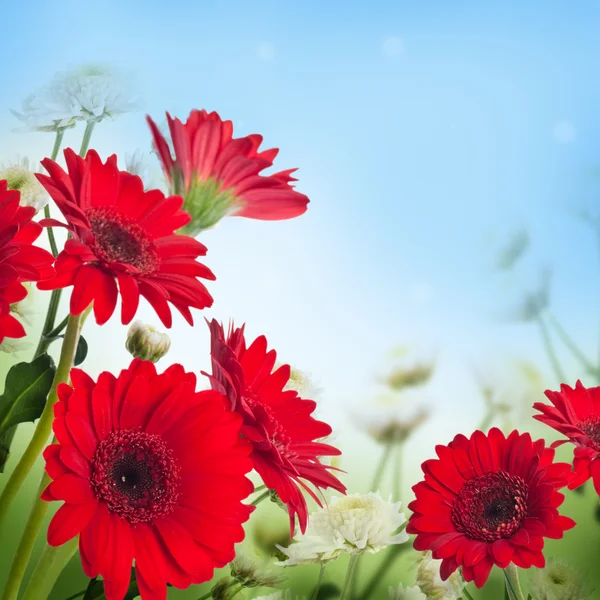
147 342
431 583
402 593
20 176
354 524
300 382
558 581
89 92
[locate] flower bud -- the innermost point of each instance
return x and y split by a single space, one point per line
414 376
146 342
248 573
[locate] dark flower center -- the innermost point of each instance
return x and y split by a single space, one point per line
135 474
119 240
490 507
591 428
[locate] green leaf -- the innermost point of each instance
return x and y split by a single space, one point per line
25 391
81 352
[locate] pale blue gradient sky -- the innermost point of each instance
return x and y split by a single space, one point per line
425 135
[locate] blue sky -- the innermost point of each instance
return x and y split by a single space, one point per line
426 133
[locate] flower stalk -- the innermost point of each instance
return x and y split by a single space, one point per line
34 449
351 566
50 566
513 586
319 581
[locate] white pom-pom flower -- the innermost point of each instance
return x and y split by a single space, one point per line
351 524
409 593
20 176
89 92
431 583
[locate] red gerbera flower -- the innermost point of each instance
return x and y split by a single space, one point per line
121 233
277 422
20 261
489 500
218 174
149 471
576 414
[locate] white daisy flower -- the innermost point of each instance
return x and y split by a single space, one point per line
88 93
558 581
20 176
409 593
431 584
354 524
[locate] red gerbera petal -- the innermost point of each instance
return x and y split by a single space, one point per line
576 414
121 233
20 261
489 500
144 489
219 174
277 422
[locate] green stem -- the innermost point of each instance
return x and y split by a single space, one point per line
81 593
513 586
34 449
466 594
45 338
319 581
87 136
572 346
549 346
397 489
375 580
262 497
57 143
49 567
385 456
58 329
349 572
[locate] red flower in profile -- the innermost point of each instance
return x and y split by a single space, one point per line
277 421
149 471
121 233
489 500
20 261
576 414
218 174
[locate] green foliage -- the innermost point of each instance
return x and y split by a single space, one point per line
25 392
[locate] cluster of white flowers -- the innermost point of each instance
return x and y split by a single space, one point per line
351 524
431 583
87 93
20 176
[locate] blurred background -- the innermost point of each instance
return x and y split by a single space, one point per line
450 152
